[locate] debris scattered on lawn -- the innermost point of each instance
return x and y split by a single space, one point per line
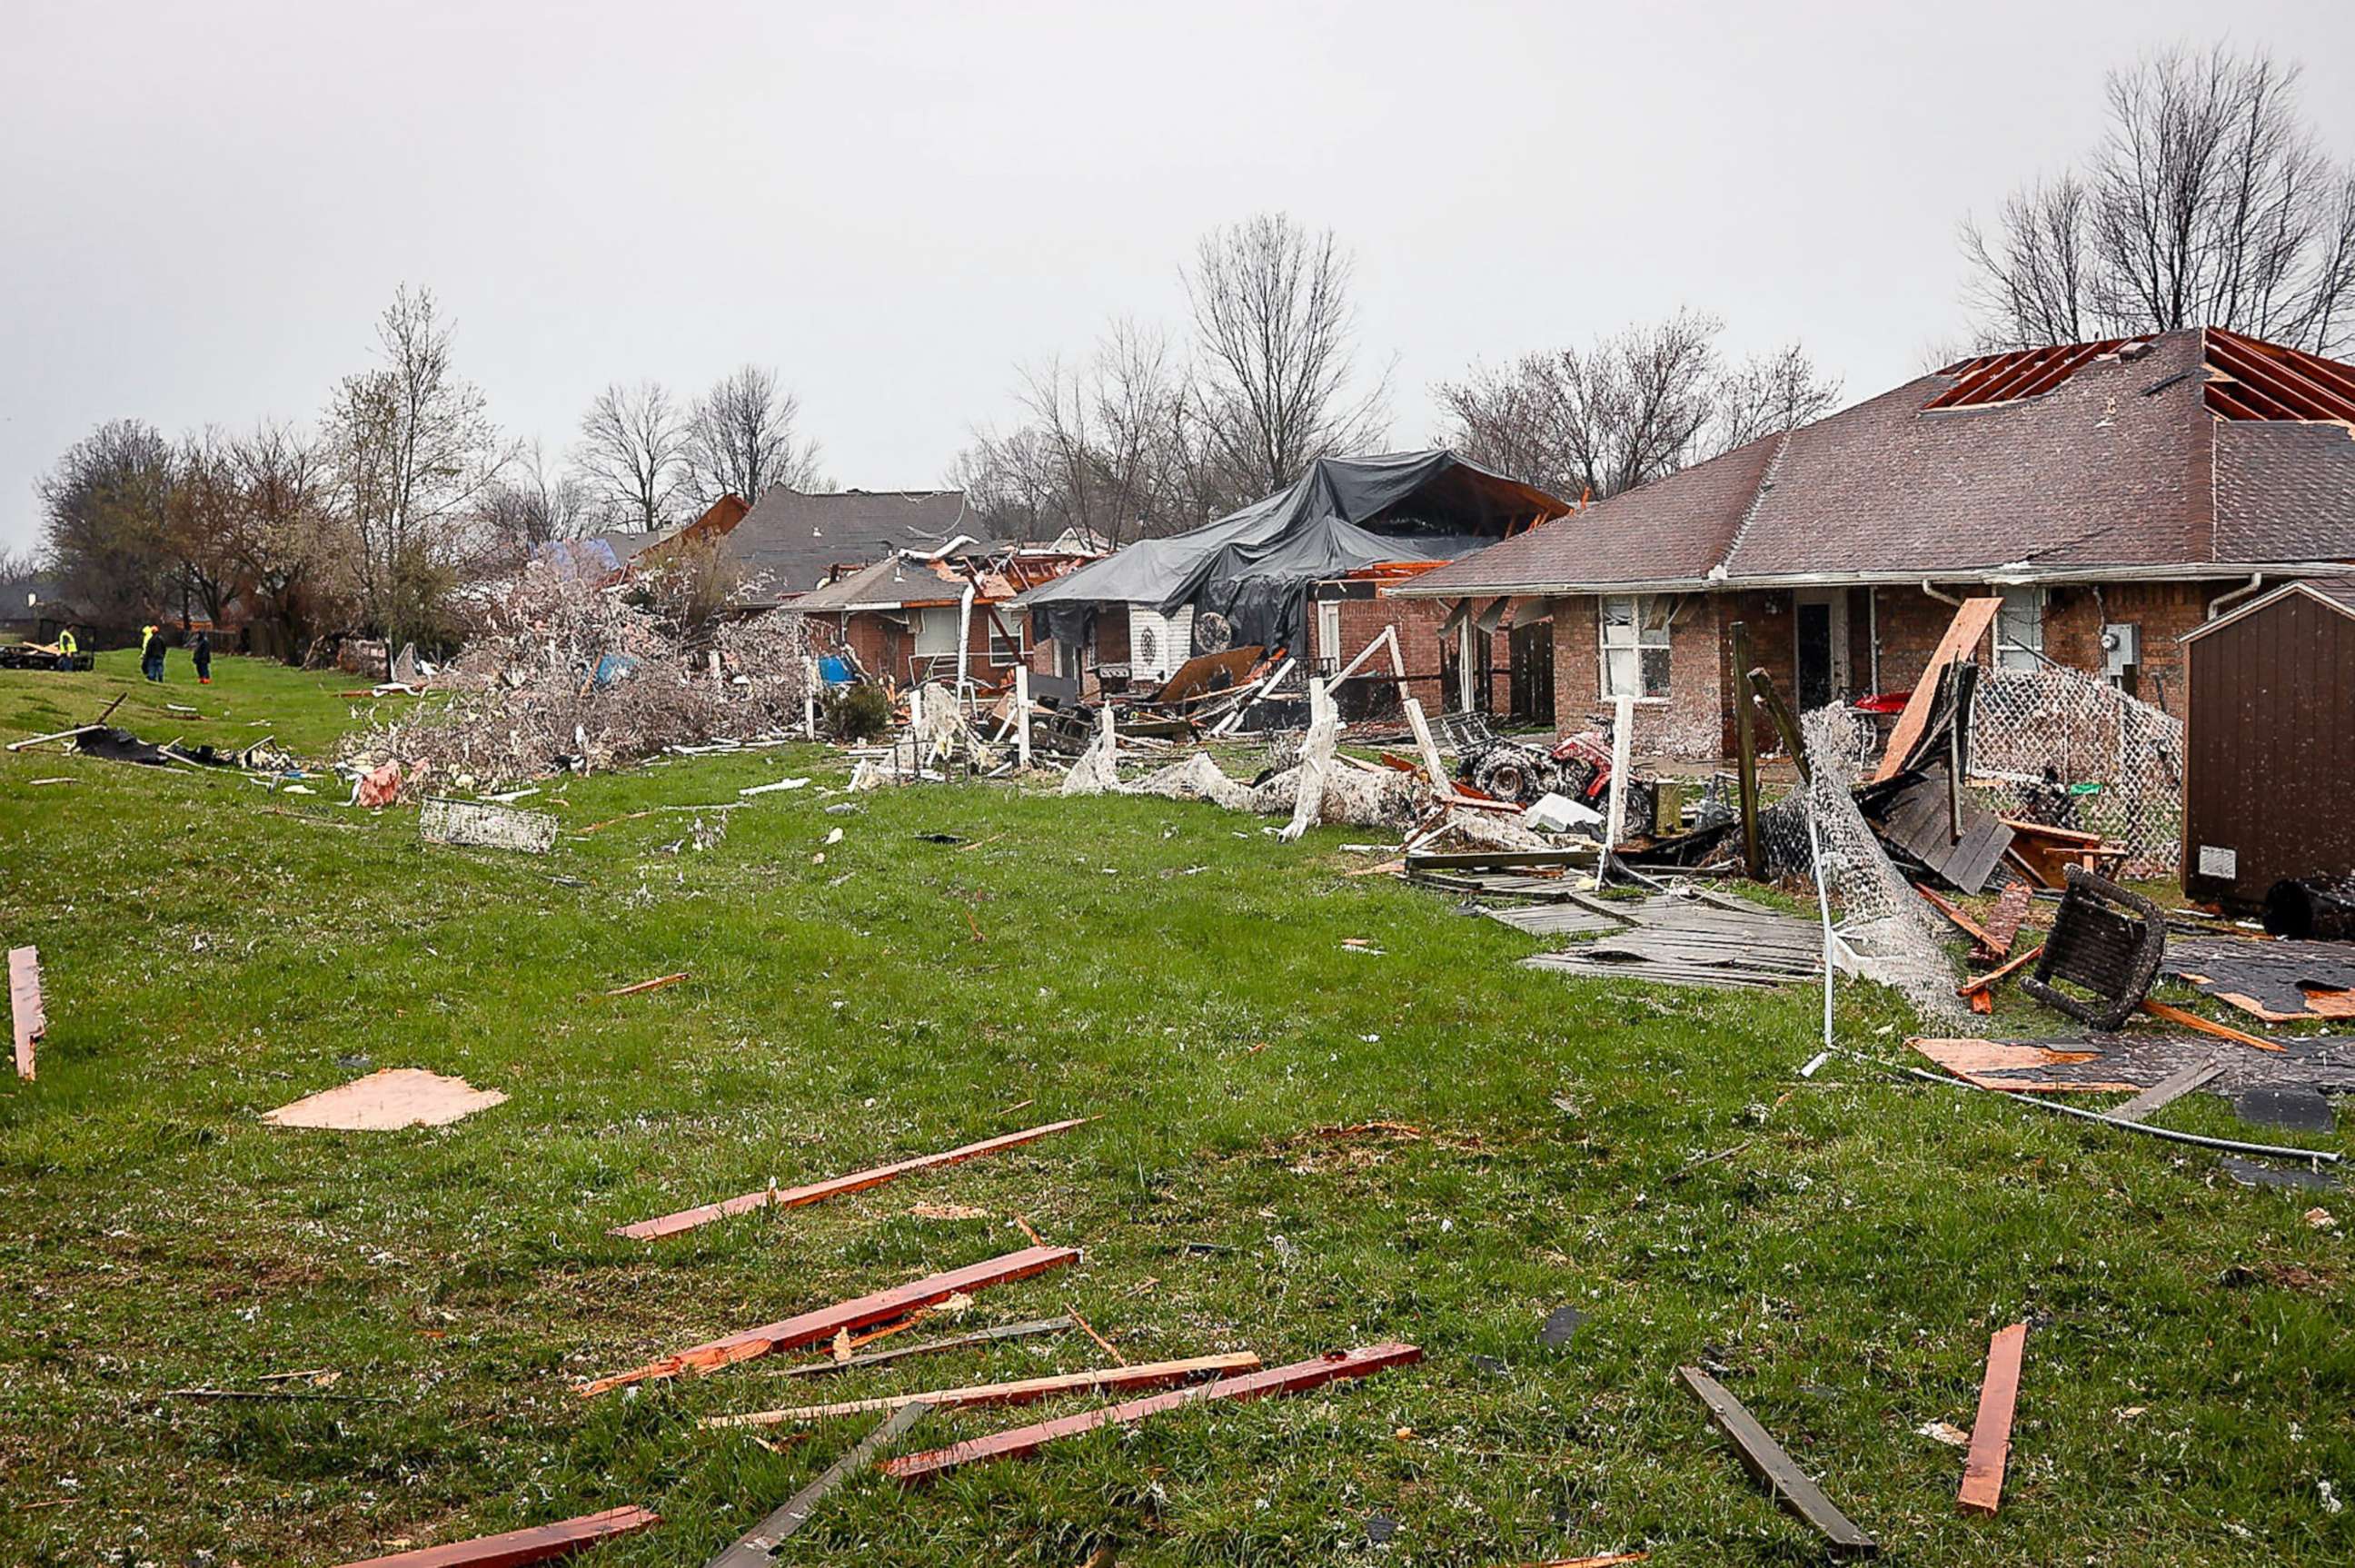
2268 1151
792 1197
386 1101
757 1547
1559 1325
1701 939
773 788
473 824
28 1017
378 787
931 1347
2107 940
1297 1378
1764 1459
1982 1487
1945 1432
2278 981
2297 1110
2249 1174
947 1212
656 984
538 1543
1019 1391
823 1323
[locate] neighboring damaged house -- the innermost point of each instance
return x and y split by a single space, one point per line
1309 569
794 540
599 555
903 619
2116 493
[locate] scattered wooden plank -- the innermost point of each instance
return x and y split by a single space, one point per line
1422 860
28 1019
2010 910
539 1544
1971 621
1961 921
57 735
1147 1375
756 1547
2176 1015
2167 1090
1991 1434
1297 1378
859 1312
931 1347
1764 1459
834 1186
656 984
1982 984
1607 1560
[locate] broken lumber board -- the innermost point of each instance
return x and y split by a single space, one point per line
57 735
27 1018
954 1342
1972 619
2176 1015
1603 1560
1297 1378
1961 919
1991 1432
656 984
1151 1374
1764 1459
824 1322
834 1186
538 1543
757 1546
1422 860
2167 1090
1980 982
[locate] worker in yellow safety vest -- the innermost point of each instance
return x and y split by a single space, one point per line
66 648
151 653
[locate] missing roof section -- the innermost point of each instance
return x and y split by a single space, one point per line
2249 378
2015 376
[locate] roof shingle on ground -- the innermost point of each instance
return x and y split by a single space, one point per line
2120 465
792 538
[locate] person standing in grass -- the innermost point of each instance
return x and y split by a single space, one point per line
151 653
66 648
201 650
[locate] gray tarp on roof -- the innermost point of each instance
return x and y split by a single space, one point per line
1255 566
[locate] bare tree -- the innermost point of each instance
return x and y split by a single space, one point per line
106 518
1275 334
632 452
1636 406
292 556
412 450
740 440
533 505
2209 202
201 527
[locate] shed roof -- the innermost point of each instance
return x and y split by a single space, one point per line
2331 593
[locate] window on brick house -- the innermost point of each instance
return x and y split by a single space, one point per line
936 631
1635 637
2020 629
1009 637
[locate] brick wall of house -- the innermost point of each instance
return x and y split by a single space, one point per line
1420 647
1687 722
883 646
1892 634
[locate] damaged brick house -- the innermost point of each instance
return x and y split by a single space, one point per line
2116 493
904 618
1311 570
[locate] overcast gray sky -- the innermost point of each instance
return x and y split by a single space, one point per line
203 208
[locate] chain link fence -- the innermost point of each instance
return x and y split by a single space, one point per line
2055 746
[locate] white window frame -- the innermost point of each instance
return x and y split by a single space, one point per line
2023 609
1328 633
934 631
1003 650
1636 636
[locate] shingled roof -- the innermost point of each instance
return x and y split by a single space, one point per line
792 537
2162 456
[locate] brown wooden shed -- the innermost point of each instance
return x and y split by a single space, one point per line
2269 770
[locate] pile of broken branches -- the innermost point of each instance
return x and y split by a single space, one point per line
566 675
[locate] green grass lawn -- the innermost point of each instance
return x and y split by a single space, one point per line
2189 1387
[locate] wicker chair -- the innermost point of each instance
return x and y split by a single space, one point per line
2105 940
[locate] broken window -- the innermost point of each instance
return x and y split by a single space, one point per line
1009 640
2020 629
936 631
1635 634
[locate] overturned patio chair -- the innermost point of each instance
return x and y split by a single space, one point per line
2105 941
